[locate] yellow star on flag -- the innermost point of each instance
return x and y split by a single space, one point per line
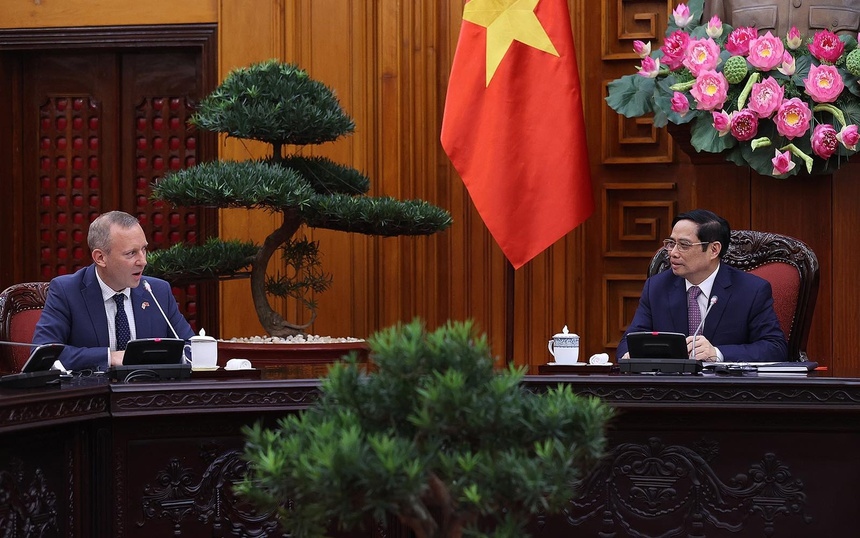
507 21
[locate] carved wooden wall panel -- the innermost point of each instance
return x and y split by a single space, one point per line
634 140
635 218
625 21
621 297
630 140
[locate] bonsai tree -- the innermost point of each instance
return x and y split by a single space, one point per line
279 104
434 436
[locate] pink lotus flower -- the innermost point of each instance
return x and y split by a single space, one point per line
824 83
738 42
849 137
682 15
674 48
782 163
680 104
715 27
765 52
744 124
788 66
642 49
709 90
702 55
824 140
722 122
792 118
793 39
765 97
826 46
650 67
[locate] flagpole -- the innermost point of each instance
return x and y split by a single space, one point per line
509 312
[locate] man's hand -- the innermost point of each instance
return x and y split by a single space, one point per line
704 350
116 358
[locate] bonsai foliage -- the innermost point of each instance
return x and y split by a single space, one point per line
434 436
279 104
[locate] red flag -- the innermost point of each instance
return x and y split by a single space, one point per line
513 125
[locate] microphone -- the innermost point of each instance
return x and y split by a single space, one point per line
24 344
711 304
149 289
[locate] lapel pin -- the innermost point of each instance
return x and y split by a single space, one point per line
144 305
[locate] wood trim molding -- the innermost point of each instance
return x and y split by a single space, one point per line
184 35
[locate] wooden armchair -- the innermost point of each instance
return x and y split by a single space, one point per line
790 267
20 308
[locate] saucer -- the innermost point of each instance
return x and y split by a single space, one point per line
204 368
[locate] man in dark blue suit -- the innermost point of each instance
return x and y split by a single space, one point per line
741 326
82 310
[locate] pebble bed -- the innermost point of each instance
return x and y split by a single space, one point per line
297 339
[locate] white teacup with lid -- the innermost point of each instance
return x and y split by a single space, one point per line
564 346
204 352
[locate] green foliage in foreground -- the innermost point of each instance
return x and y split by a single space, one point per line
434 436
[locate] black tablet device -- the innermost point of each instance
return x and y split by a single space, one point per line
42 358
146 351
657 345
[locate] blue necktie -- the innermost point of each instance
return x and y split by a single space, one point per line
123 332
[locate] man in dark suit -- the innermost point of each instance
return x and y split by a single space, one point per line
741 326
96 310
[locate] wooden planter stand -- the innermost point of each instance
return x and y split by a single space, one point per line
290 361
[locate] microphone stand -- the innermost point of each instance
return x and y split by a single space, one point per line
711 304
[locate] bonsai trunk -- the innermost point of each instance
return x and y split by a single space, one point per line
273 323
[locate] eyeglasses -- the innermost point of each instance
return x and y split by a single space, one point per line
683 246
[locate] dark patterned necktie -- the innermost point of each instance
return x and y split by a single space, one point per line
123 332
695 315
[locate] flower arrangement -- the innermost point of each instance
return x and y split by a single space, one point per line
778 105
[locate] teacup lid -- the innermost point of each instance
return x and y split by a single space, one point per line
563 334
201 337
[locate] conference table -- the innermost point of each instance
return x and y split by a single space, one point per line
687 456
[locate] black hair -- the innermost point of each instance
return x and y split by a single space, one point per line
712 228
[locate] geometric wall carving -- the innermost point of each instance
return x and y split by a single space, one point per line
631 140
620 298
629 20
638 216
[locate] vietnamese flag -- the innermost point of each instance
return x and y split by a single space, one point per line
513 125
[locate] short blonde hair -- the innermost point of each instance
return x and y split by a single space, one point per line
98 236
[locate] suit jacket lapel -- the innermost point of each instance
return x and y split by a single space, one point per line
678 305
91 293
142 314
723 290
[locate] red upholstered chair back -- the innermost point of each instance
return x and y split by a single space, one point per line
790 267
20 308
785 281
